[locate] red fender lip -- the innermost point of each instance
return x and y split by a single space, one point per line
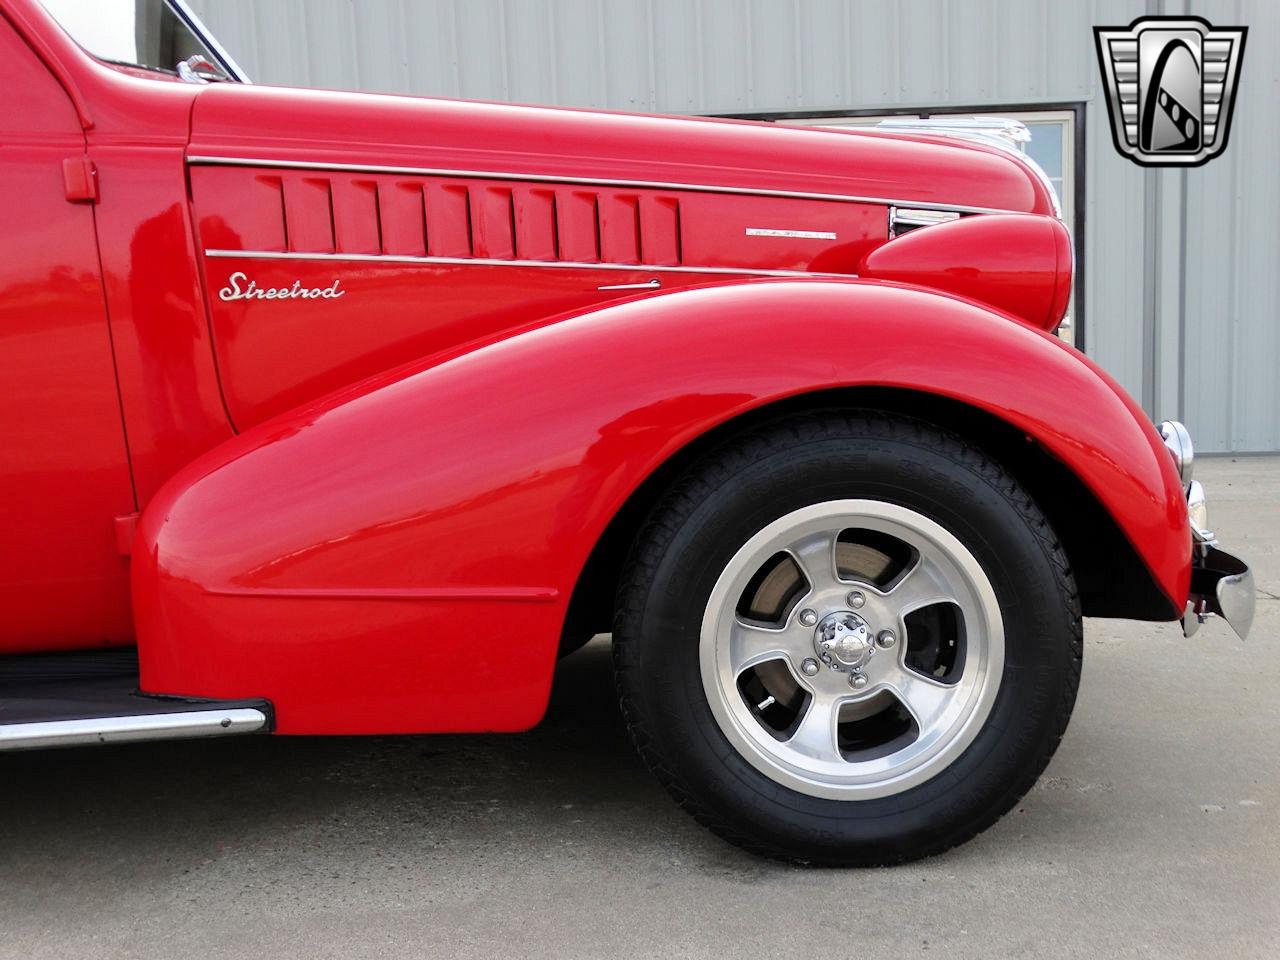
358 561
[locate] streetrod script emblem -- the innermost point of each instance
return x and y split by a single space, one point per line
240 287
1171 85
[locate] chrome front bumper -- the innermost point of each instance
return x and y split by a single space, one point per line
1221 584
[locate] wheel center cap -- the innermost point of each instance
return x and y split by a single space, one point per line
843 641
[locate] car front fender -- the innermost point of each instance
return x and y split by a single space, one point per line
399 556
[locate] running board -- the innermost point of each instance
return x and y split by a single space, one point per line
65 700
147 726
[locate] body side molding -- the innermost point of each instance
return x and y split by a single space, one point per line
212 161
150 726
494 262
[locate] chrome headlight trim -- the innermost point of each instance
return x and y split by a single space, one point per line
1177 440
1048 187
1198 512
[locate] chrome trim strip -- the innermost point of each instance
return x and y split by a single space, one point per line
653 284
493 594
921 217
487 262
200 160
156 726
915 217
798 234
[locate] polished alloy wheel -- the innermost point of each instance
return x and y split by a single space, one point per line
847 637
852 649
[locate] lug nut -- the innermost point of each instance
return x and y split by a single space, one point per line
886 639
857 681
809 667
856 599
808 617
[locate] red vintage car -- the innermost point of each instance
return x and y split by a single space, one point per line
327 413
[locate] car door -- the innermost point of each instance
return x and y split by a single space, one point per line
64 473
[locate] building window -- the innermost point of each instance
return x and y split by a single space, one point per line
1053 145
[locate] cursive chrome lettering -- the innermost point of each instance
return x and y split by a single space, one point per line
240 287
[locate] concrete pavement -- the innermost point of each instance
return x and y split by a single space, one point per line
1154 833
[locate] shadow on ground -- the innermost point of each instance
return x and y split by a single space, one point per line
578 759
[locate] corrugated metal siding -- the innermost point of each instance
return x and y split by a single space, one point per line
1232 255
1182 282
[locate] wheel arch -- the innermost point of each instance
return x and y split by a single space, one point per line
274 564
1123 587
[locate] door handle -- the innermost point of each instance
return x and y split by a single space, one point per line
653 284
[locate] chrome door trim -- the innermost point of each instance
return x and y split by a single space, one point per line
491 262
795 234
653 284
155 726
204 160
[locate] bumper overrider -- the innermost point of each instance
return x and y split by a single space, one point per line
1221 584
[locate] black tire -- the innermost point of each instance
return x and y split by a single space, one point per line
752 480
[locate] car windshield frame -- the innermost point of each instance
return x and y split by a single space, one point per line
217 54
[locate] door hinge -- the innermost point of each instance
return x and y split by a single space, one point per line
80 179
126 527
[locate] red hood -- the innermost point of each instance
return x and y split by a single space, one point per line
307 126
